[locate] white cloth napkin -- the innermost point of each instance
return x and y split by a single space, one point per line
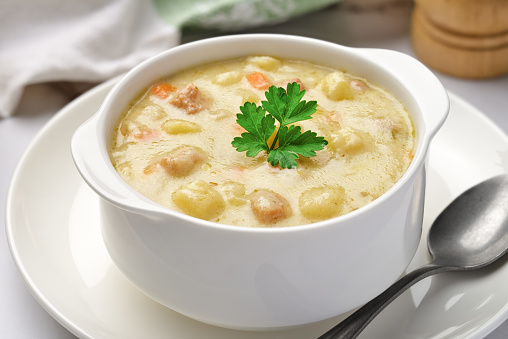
94 40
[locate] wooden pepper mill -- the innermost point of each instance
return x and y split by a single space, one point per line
465 38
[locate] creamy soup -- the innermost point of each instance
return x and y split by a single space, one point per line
173 144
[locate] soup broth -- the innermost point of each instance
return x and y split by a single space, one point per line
173 144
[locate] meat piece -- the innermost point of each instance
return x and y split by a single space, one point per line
190 99
284 84
182 160
269 207
358 85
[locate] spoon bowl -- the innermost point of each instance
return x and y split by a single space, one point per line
473 230
470 233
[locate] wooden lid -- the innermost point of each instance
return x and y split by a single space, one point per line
469 17
458 54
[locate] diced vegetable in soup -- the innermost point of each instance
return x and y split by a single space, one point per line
173 144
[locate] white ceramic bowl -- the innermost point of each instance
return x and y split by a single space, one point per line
261 278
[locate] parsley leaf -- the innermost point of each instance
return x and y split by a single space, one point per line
259 127
293 143
287 107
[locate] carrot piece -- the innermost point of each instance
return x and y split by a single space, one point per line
147 134
150 168
163 90
258 80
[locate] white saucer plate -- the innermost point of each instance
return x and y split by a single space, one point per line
54 234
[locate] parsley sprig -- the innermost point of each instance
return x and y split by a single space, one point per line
286 107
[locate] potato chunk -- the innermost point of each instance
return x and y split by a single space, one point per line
248 96
220 113
320 203
228 78
234 192
182 160
146 110
264 62
128 125
177 126
349 140
269 207
140 115
199 199
336 86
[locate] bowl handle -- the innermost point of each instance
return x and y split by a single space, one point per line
95 167
429 93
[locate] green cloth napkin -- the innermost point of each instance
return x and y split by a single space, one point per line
233 14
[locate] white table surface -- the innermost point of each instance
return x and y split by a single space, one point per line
22 317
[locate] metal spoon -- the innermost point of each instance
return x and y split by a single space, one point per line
470 233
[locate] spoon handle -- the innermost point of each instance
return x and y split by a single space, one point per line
353 325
